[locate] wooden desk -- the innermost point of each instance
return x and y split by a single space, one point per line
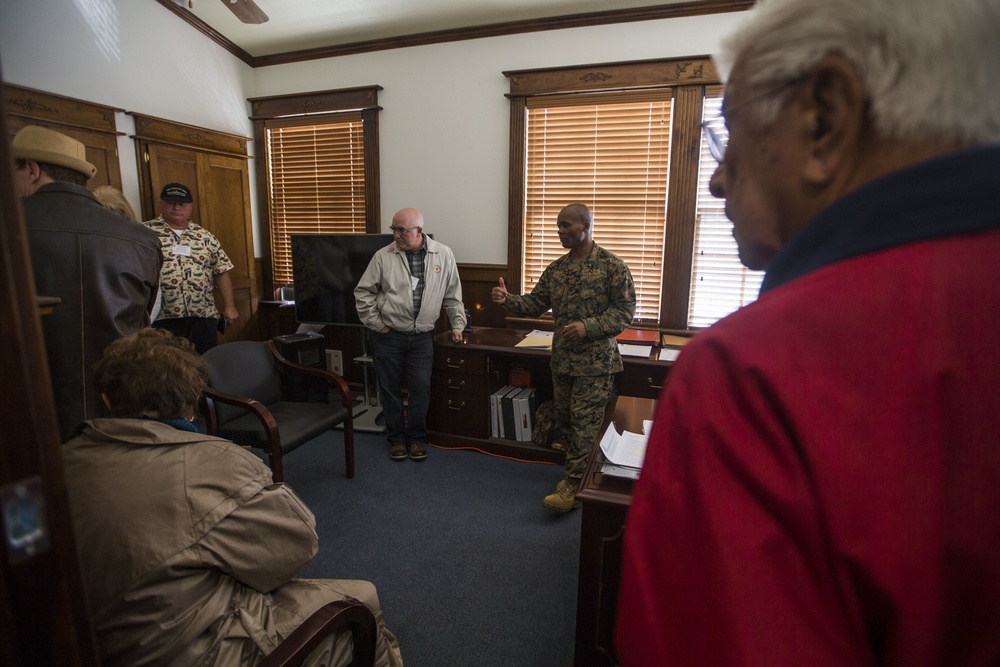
465 374
605 501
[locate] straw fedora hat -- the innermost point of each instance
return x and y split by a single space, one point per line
43 145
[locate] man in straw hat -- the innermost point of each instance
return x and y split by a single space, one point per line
104 268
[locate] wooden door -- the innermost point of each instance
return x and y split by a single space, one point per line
220 184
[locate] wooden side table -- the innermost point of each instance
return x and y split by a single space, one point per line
605 502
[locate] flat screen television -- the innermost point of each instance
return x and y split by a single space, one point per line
325 270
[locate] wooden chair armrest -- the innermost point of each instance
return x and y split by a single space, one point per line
334 617
252 405
333 380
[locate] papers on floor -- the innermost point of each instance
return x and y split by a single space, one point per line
630 350
668 354
536 338
624 451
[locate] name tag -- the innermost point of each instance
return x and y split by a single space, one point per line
183 250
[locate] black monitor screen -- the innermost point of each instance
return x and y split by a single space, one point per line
325 269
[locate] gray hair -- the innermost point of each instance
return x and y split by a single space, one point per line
930 68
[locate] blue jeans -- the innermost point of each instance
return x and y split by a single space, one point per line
395 355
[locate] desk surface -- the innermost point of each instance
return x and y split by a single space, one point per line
628 414
505 340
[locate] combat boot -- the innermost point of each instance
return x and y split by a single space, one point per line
564 499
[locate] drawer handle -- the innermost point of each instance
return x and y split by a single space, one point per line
451 365
460 407
455 386
653 386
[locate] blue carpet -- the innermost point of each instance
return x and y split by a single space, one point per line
471 570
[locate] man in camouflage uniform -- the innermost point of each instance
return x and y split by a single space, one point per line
592 297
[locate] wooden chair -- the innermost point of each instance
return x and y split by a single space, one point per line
245 402
334 617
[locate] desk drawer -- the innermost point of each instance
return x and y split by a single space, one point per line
456 360
458 408
642 379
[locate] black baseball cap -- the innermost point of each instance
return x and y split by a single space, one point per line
176 192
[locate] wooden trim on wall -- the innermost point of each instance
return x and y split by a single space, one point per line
93 124
171 133
634 75
373 177
679 232
342 99
60 110
607 17
478 280
515 193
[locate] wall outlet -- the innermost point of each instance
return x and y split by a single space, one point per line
335 361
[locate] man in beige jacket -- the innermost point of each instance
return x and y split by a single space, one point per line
188 549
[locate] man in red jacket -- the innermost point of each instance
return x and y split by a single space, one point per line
822 484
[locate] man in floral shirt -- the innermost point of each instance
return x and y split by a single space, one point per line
194 265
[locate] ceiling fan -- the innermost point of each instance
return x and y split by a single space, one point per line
246 11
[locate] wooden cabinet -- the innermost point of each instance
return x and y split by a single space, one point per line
91 124
605 502
465 374
459 393
642 378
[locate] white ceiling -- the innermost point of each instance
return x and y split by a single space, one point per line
296 25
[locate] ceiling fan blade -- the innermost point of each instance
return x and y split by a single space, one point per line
246 11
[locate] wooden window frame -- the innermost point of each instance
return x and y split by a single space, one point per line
688 77
363 100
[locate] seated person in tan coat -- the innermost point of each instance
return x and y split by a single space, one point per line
188 549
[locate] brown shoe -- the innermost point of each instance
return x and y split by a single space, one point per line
564 499
417 451
398 451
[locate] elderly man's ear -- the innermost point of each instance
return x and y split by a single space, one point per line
832 116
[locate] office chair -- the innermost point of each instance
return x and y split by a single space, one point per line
245 402
334 617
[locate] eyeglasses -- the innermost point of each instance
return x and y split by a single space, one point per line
718 138
402 231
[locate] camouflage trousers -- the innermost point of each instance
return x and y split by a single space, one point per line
580 404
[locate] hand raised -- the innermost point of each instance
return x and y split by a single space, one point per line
499 294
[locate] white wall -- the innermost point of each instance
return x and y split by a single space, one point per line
445 121
130 54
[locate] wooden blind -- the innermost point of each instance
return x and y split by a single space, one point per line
316 182
608 151
720 284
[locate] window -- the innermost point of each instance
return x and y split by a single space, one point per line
316 183
612 155
317 169
626 139
720 284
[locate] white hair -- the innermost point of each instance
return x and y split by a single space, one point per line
930 68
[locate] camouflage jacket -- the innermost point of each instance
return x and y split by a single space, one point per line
191 260
597 291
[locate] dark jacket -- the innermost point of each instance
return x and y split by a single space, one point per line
106 270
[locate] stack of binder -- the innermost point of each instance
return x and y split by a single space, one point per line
512 413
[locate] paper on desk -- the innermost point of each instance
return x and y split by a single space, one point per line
647 426
669 354
625 449
540 339
630 350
